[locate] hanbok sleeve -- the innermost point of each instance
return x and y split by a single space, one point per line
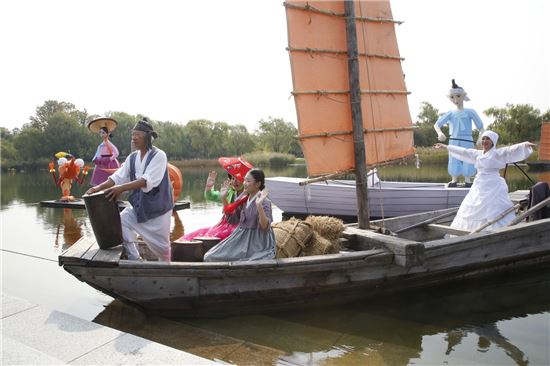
97 153
266 204
514 153
114 150
476 119
122 174
443 120
463 154
155 171
212 195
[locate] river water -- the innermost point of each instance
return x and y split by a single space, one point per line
496 320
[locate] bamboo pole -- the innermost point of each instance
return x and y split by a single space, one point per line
428 221
338 52
324 177
313 9
357 118
503 214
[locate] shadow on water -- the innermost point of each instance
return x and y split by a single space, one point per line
466 322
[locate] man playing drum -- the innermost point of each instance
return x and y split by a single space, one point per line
145 174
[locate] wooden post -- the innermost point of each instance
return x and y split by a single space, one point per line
357 118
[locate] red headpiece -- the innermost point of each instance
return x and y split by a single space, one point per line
237 167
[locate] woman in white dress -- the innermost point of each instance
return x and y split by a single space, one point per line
488 197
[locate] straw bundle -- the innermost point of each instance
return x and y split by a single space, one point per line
329 227
291 237
320 245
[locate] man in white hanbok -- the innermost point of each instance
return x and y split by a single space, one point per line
145 174
488 198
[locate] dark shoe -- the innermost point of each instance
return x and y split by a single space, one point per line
452 185
467 185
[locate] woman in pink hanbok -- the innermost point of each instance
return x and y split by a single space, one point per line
105 158
230 192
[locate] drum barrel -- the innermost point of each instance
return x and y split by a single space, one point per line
105 219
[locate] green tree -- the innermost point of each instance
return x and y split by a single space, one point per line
198 138
239 141
516 123
424 133
276 135
8 152
171 140
51 107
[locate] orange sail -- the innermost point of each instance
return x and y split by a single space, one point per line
319 64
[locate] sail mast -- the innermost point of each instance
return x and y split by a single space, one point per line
357 119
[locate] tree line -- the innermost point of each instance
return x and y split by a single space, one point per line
60 126
514 123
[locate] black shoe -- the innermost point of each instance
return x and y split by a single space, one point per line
467 185
451 185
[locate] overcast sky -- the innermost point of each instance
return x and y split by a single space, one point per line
226 60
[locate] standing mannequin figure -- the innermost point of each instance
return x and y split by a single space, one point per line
460 129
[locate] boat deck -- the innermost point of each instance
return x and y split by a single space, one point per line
79 204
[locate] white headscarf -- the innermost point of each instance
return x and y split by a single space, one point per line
492 135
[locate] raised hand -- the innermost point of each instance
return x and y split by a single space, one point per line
211 180
262 196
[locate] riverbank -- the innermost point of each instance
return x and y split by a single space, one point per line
33 334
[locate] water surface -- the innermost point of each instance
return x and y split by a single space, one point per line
497 320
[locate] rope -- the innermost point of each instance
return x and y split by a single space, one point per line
311 51
313 9
29 255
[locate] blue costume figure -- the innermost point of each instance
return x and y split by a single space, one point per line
460 129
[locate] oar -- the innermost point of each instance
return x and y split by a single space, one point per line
533 209
429 221
506 212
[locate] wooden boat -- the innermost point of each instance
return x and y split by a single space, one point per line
338 197
371 264
336 136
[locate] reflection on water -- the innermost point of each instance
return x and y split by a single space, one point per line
501 320
498 320
71 229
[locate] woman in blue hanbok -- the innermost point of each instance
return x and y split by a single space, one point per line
253 239
460 130
488 198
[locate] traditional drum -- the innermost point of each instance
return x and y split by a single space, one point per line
105 219
187 251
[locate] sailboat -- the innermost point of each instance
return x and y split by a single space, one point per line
319 63
420 252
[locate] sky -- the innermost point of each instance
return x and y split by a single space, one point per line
226 61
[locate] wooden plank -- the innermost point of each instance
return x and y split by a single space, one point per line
79 204
109 256
91 253
407 252
448 230
77 250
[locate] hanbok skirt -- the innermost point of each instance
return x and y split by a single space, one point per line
102 171
244 245
221 230
487 199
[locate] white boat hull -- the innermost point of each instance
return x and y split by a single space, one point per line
338 198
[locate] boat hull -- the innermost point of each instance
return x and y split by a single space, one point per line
338 198
386 265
